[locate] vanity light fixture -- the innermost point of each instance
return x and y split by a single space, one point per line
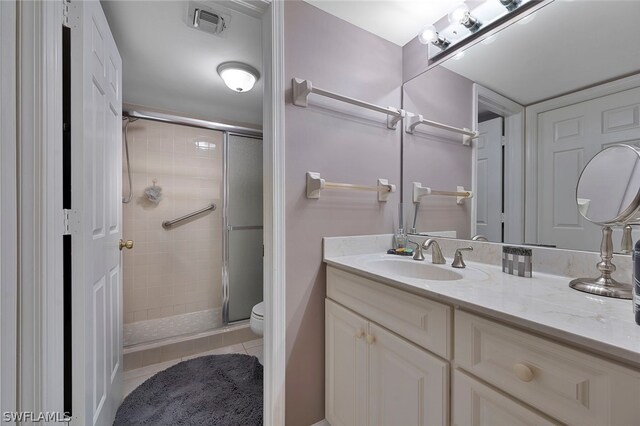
430 35
238 76
510 4
461 16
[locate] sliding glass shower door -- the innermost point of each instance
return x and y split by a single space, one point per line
243 234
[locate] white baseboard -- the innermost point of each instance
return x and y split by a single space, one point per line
322 422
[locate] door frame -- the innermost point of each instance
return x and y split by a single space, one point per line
274 214
8 210
532 113
514 182
40 194
39 207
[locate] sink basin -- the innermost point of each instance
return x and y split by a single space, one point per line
413 269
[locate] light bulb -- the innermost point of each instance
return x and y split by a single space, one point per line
428 35
459 15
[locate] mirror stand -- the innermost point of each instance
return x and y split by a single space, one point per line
604 285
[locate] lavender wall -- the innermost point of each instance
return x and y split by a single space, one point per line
435 158
344 144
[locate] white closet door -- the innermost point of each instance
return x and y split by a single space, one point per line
96 135
407 385
489 178
567 139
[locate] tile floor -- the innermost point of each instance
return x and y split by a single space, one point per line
134 378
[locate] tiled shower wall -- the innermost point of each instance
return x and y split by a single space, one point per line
177 271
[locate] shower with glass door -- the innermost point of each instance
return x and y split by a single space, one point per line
195 213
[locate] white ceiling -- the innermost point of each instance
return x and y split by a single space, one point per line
567 46
398 21
170 66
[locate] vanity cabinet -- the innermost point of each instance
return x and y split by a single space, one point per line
394 358
374 377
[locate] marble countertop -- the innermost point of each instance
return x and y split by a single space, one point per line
544 304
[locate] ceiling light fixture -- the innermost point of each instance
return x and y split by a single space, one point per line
461 16
430 35
238 76
511 5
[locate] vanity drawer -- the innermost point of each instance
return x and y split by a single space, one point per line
422 321
570 385
476 404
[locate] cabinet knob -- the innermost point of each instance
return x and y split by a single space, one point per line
359 333
523 372
371 339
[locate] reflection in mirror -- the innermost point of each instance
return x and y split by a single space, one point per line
609 186
546 93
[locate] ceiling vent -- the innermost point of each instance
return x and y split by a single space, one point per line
205 19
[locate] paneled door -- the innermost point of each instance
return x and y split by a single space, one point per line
346 366
567 139
407 385
96 148
489 178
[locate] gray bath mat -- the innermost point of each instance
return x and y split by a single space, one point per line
217 390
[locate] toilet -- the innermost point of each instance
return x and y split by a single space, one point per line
257 319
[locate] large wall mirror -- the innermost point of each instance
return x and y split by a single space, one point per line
546 93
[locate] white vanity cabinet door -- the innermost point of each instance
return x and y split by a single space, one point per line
407 385
475 404
346 366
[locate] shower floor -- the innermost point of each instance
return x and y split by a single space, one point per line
176 325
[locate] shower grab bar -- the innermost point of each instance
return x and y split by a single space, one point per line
302 89
414 121
169 223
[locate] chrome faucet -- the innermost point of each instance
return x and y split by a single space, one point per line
479 238
436 253
418 255
458 261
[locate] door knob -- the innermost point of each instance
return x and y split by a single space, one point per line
125 244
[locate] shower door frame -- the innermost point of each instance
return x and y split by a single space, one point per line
227 130
225 227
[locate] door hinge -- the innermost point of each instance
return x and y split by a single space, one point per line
65 13
502 217
67 221
503 141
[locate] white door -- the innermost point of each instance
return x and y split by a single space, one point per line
96 120
567 139
407 385
489 180
475 404
346 366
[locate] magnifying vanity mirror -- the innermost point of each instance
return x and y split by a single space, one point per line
547 94
608 194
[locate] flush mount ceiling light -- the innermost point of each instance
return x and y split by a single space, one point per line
237 76
461 16
430 35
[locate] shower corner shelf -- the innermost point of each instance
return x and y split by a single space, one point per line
315 184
